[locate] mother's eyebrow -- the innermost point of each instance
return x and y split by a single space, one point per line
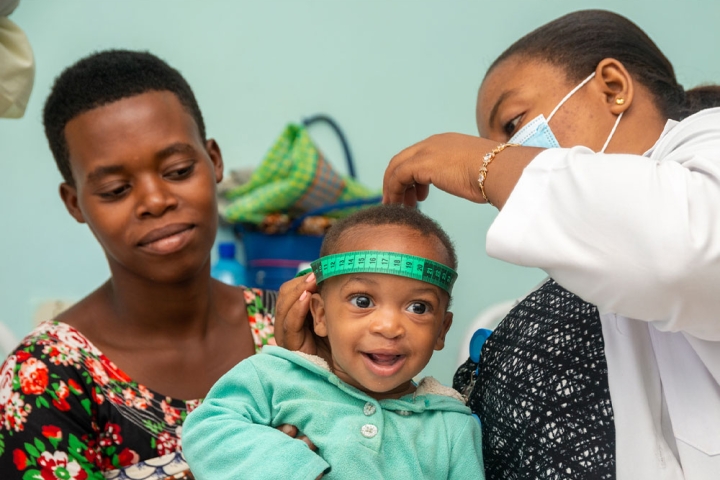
173 149
100 172
496 107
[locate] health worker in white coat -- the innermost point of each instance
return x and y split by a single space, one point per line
611 368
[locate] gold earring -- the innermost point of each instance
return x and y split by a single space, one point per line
620 101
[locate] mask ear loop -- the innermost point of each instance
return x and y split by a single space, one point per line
572 92
612 132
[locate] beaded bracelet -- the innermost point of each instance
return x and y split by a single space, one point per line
487 158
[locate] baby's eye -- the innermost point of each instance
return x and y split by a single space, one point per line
417 308
510 127
361 301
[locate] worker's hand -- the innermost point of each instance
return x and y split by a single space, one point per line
450 161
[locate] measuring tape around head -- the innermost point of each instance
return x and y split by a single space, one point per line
391 263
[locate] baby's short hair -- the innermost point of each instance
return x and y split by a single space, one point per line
389 215
103 78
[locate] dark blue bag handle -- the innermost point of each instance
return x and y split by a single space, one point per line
322 118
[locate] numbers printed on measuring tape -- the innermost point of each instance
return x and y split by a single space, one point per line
371 261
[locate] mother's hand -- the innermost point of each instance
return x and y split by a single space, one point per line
293 321
450 161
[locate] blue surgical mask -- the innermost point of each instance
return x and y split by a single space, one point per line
537 133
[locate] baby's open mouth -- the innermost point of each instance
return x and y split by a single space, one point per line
383 359
384 364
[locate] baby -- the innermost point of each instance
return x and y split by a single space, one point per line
384 276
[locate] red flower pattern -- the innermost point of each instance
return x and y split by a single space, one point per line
61 354
74 386
33 376
56 466
93 452
127 457
191 405
83 409
113 372
62 390
7 373
21 356
166 443
61 393
97 396
97 371
20 459
16 412
111 435
61 404
172 415
51 431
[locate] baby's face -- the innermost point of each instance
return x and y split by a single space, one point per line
383 328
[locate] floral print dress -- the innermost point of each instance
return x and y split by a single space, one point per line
67 412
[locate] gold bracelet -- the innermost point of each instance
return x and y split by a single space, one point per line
487 158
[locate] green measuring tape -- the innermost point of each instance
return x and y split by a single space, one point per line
391 263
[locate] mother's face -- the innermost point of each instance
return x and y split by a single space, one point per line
519 89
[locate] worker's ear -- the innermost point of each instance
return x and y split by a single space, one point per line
615 84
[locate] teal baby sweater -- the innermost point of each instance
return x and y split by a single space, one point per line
426 435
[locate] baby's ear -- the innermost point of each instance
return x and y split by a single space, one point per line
317 307
447 321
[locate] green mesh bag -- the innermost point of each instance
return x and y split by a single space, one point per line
294 178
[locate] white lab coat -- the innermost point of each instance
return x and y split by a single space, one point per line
638 236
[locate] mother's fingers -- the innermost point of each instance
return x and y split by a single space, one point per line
292 431
292 310
308 442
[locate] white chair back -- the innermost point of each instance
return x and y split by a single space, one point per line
8 341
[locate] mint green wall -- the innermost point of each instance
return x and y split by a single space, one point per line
391 72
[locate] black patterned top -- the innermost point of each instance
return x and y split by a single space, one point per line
542 392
